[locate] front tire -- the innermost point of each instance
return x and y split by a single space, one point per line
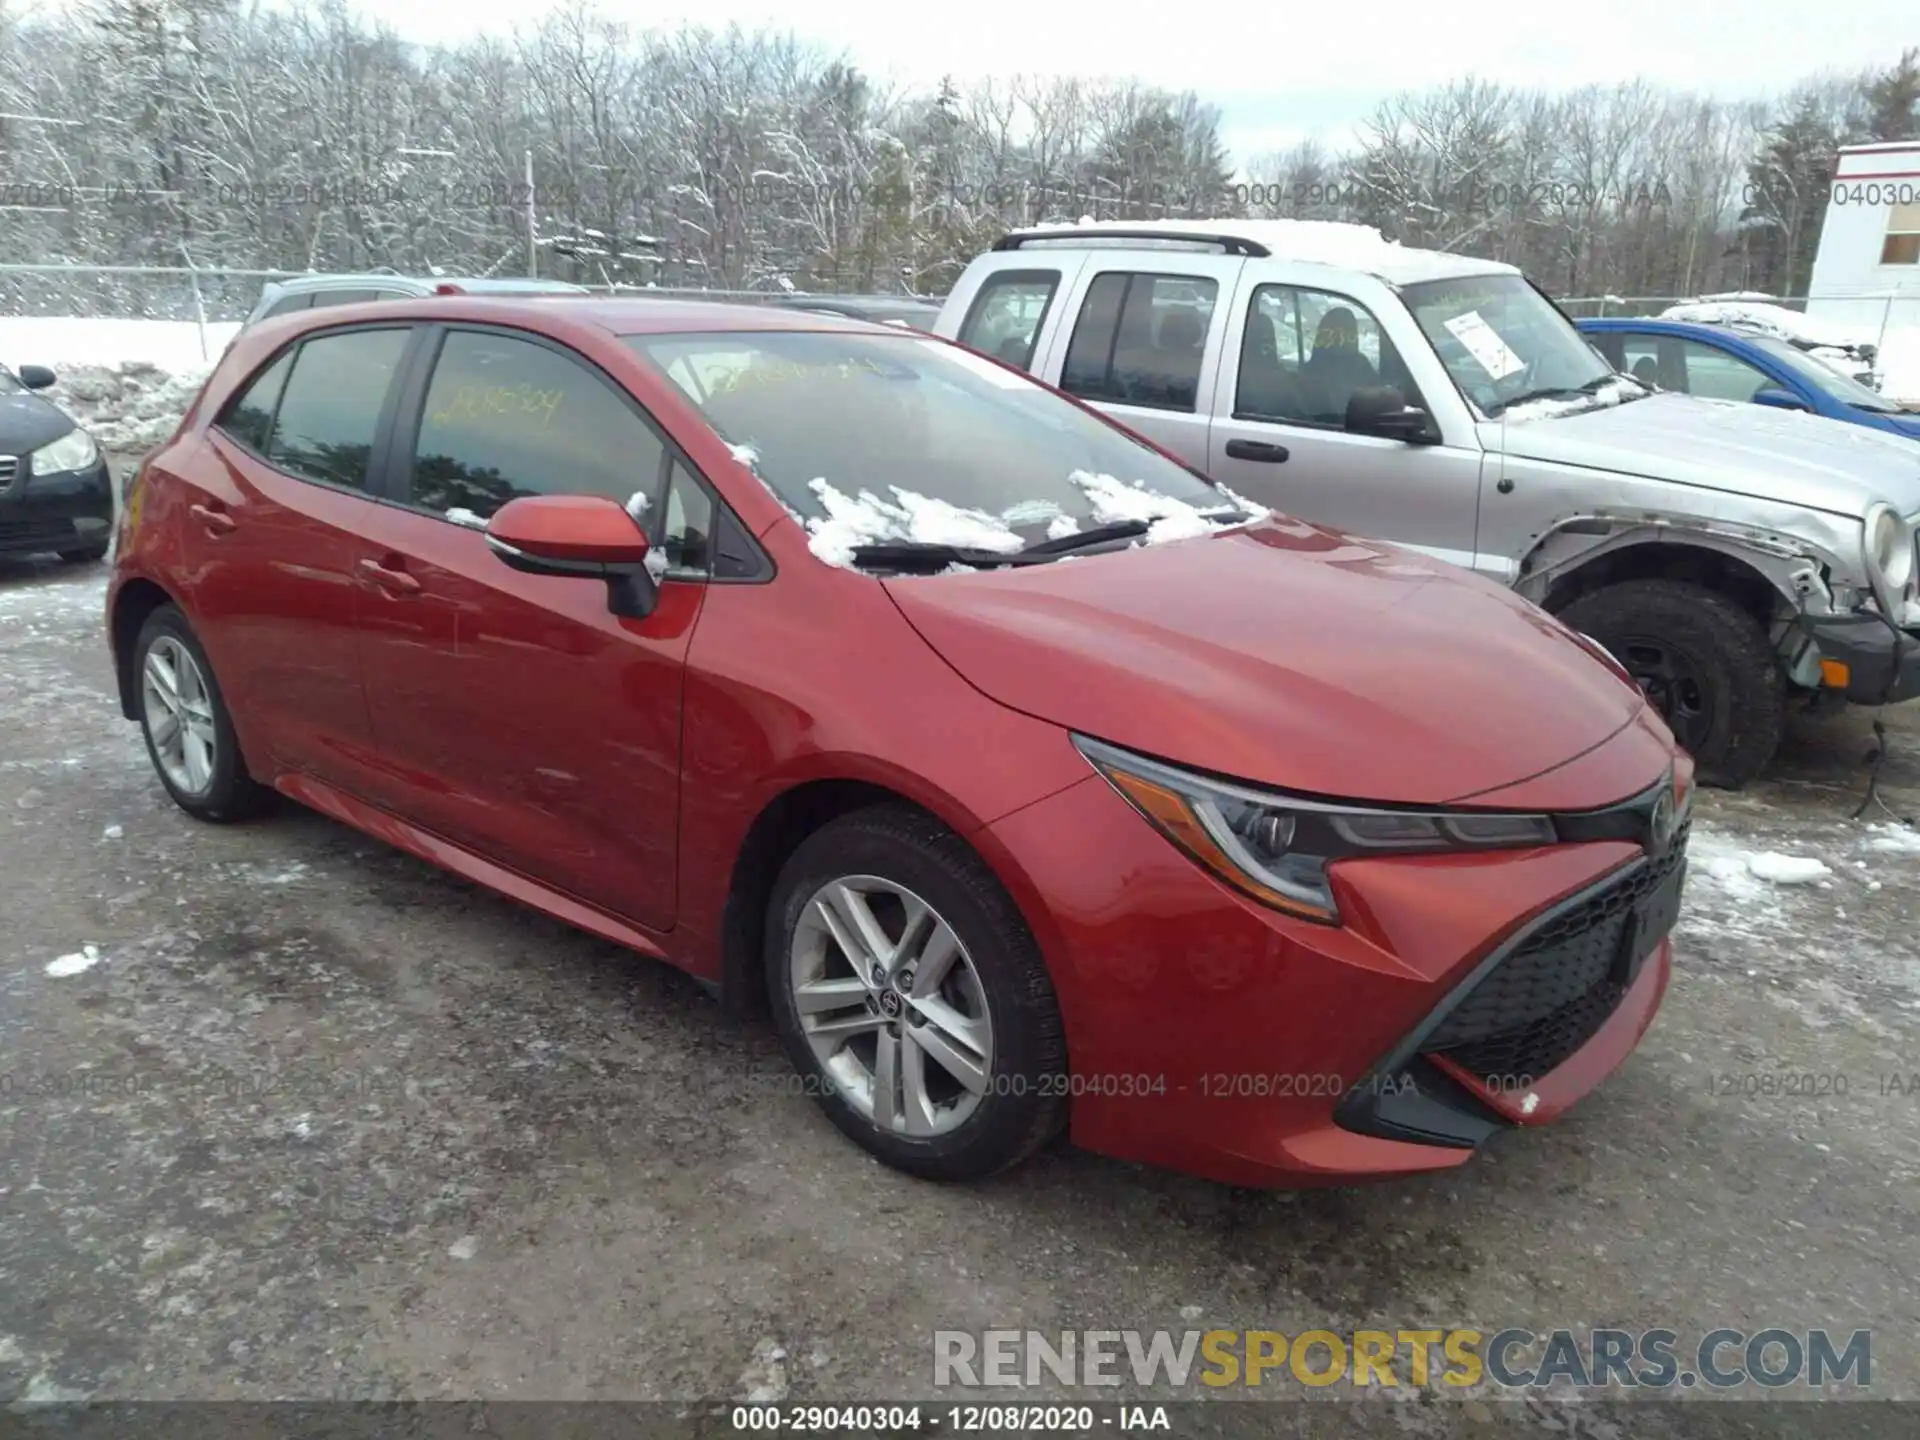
87 555
1704 663
189 732
912 998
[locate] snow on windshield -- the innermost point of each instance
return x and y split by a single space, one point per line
1620 387
853 521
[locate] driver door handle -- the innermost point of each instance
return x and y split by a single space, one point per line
1260 450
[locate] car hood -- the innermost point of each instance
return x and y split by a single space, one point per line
1285 655
1908 425
1727 445
27 422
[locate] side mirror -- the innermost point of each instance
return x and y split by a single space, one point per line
1383 410
36 377
1779 399
587 536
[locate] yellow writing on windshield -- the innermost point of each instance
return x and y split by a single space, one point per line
482 402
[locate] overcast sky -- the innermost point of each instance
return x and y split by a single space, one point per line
1282 70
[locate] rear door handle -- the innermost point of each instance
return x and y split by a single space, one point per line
394 582
1256 450
218 522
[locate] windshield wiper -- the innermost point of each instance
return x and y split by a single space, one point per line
932 556
1559 392
1079 539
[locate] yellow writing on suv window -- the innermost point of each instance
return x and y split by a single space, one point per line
485 402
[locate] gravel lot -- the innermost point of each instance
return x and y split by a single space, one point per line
508 1160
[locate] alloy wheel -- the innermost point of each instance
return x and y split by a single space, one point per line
892 1006
178 710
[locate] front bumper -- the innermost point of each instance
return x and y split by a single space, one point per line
1883 663
1211 1035
70 510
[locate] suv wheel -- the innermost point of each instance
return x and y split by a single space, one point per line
912 998
85 555
189 733
1705 665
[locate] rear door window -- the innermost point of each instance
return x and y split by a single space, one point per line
1006 315
329 414
1140 340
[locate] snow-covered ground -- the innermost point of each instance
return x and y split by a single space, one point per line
128 381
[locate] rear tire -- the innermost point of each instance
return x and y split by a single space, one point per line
995 1010
89 555
1706 665
189 732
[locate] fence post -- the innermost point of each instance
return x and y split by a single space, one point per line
199 304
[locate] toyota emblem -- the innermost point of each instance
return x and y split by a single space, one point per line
1661 827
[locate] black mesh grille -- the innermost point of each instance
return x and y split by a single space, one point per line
1532 1012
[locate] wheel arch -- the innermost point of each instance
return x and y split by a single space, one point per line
783 822
137 598
1767 574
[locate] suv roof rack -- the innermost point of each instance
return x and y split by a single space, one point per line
1230 244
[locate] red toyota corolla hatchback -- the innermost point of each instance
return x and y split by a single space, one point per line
1031 781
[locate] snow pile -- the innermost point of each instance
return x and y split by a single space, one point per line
126 381
1894 839
1733 867
131 407
1769 319
79 963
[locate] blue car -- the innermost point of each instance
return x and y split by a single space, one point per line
1724 364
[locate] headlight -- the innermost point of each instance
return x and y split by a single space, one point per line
1889 546
74 450
1276 848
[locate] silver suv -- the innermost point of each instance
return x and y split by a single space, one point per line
1730 556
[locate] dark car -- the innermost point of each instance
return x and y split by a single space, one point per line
55 491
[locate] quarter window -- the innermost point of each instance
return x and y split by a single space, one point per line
1306 353
250 414
1140 340
684 534
506 418
327 417
1005 317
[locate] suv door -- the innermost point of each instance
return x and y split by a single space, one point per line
281 497
1140 338
1301 344
516 715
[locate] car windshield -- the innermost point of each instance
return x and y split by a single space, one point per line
1822 377
828 415
1503 342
